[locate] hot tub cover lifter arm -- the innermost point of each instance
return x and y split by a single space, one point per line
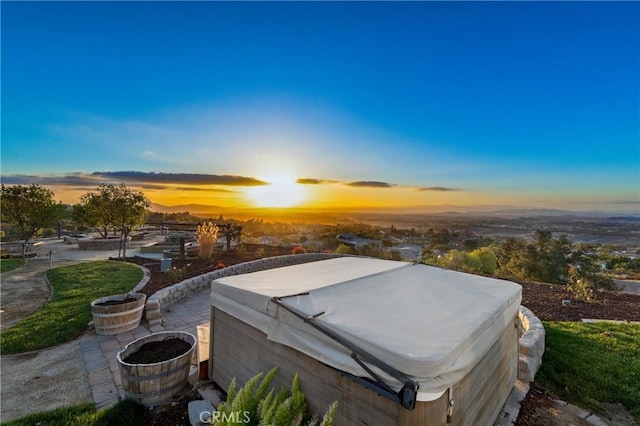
407 394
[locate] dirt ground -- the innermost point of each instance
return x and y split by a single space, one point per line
545 300
541 409
23 291
43 380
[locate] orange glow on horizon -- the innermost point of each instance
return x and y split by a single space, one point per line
282 191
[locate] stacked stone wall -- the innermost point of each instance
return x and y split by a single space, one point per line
161 299
98 244
531 345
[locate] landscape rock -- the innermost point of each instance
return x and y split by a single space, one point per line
199 410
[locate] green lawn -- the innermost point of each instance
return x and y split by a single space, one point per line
590 363
9 264
124 413
66 315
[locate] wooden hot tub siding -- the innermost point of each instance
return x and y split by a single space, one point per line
239 350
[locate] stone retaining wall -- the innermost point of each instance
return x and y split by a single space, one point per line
531 345
531 342
98 244
161 299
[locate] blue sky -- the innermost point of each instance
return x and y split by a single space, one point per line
533 104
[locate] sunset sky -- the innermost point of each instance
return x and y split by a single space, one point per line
326 104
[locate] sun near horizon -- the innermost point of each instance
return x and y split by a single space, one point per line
281 191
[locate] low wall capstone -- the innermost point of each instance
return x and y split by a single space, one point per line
161 299
531 345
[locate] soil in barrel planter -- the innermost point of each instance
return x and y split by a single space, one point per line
117 302
164 350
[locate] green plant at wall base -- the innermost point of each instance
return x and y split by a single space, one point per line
175 275
251 406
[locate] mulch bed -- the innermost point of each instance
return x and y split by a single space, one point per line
192 267
152 352
116 302
529 414
544 300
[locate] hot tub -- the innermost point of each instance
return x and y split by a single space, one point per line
392 342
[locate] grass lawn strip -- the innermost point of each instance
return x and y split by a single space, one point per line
66 315
7 265
124 413
590 363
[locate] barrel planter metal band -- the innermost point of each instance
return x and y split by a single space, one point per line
155 383
117 318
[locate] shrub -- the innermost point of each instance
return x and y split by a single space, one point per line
253 406
298 250
345 249
175 275
206 235
584 284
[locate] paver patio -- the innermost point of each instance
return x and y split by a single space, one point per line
99 352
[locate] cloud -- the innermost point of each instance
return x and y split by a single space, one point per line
355 184
369 184
71 179
181 178
196 188
144 180
436 188
311 181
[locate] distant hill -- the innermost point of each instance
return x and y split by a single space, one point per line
623 219
339 213
191 208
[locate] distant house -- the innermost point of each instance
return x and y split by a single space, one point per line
411 253
356 241
268 239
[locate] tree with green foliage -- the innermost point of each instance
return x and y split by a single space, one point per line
479 261
439 239
585 276
545 260
112 206
29 208
552 257
130 210
624 263
429 257
487 260
95 210
61 214
453 259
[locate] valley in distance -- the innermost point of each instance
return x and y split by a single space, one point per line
496 222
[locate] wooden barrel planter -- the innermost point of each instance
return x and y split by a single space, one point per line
155 383
117 313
